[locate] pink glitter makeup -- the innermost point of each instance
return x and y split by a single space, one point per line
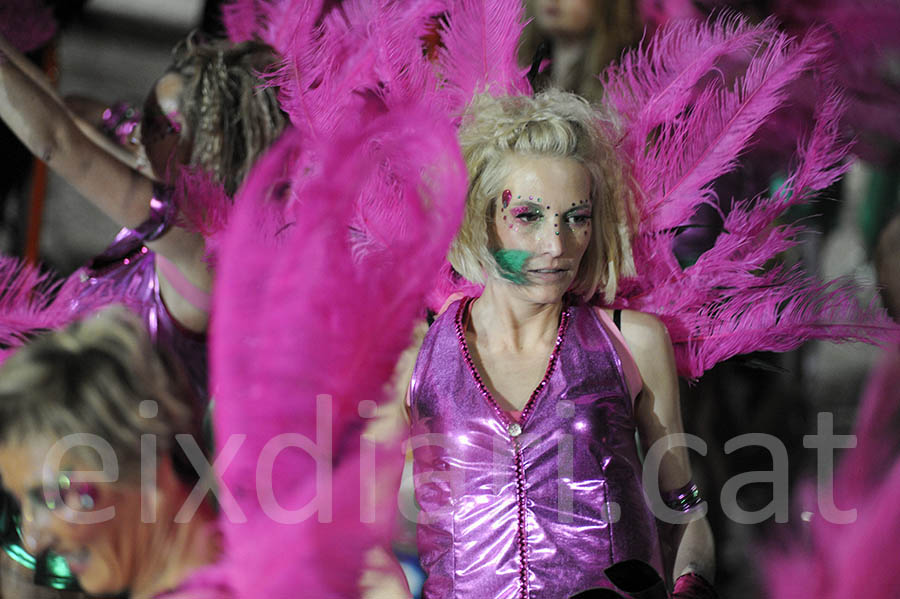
174 125
507 196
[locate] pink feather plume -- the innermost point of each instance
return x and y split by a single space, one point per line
302 311
204 207
33 301
862 46
655 13
479 50
685 124
857 559
244 20
26 24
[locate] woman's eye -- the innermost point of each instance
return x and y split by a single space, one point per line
580 219
528 217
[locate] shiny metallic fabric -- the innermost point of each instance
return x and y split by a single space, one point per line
127 269
530 508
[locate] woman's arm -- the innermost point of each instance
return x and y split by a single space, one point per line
38 117
35 113
658 414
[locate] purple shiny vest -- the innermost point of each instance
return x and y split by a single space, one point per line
536 508
127 270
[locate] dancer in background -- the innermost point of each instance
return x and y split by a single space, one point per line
187 122
78 408
158 268
581 37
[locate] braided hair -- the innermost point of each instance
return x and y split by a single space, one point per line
232 114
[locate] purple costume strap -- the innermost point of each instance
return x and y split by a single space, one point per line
127 269
162 215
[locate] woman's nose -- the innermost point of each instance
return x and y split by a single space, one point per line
554 241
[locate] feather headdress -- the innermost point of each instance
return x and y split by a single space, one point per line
478 52
684 125
333 300
33 300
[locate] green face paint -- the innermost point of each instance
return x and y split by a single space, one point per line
511 263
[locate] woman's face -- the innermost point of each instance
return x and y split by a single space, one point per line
542 225
565 18
164 128
74 519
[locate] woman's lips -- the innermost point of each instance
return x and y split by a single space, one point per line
77 560
549 274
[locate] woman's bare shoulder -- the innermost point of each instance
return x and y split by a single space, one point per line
642 331
648 340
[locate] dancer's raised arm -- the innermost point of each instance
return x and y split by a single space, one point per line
35 113
188 122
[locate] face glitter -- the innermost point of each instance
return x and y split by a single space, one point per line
507 196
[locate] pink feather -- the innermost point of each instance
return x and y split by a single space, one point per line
655 13
33 300
862 46
300 312
702 128
450 285
479 50
856 559
244 19
204 207
685 124
26 24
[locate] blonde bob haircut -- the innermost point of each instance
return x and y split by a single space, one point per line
552 123
94 378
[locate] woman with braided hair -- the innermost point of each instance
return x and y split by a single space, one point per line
209 116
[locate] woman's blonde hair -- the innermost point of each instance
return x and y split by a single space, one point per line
552 123
92 378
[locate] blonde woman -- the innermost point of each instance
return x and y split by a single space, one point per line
524 401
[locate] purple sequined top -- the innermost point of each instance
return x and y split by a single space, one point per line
127 268
537 507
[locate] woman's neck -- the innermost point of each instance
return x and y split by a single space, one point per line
175 551
503 322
